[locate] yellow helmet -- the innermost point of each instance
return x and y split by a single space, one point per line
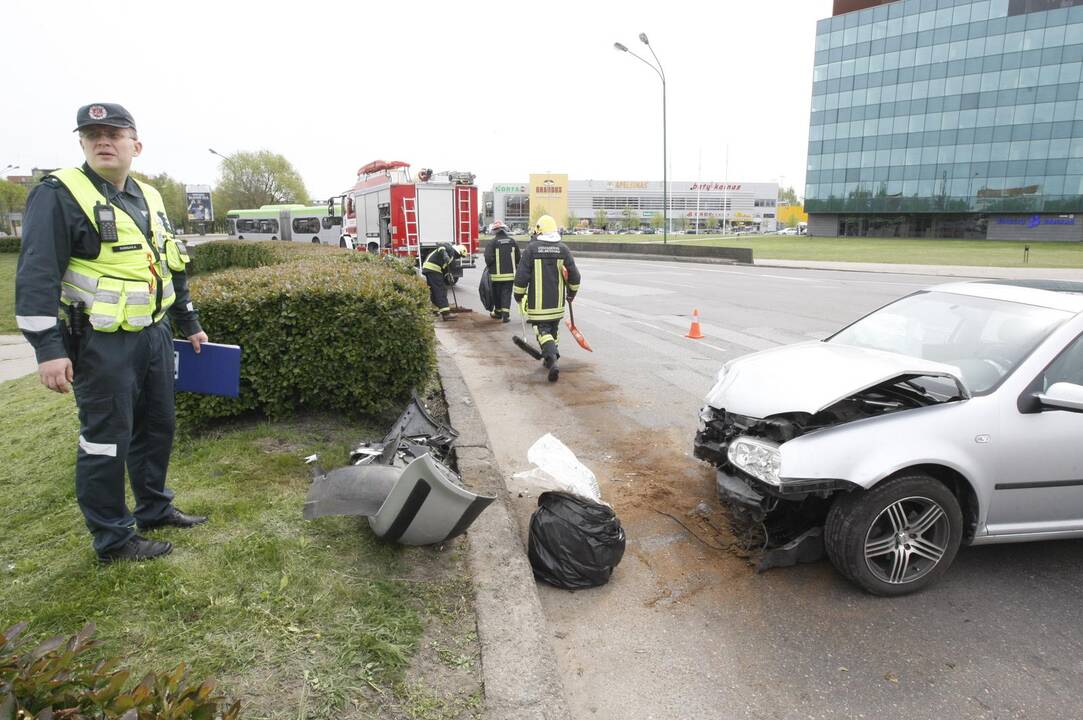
545 225
460 250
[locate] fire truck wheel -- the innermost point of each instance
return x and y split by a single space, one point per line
374 248
274 237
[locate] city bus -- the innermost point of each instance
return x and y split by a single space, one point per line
319 224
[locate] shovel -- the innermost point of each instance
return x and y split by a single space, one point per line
458 308
571 322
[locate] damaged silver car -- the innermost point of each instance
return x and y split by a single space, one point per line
951 416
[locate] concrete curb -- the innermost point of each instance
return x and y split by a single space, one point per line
518 664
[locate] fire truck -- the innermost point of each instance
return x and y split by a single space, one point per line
389 210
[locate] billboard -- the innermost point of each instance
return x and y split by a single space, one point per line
198 200
549 196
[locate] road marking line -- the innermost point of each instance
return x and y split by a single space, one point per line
676 334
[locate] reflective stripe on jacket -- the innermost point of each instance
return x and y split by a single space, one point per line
502 258
439 260
129 284
540 277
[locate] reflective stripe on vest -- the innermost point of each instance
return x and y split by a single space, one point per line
129 284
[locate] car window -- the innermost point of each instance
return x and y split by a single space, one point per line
1068 367
985 339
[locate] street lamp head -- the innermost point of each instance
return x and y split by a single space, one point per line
643 38
618 46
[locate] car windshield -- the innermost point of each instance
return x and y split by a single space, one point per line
985 338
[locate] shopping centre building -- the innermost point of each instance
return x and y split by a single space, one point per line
692 204
948 118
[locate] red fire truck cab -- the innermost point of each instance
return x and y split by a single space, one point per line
389 210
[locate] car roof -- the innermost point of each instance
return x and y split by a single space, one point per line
1057 294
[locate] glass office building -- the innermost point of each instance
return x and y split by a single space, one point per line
948 118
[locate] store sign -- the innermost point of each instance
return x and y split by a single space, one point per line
509 188
720 187
628 185
549 187
1034 221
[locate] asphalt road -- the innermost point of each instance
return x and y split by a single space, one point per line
685 630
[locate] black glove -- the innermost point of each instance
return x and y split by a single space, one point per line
449 278
571 296
519 299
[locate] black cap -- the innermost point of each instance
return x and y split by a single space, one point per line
104 114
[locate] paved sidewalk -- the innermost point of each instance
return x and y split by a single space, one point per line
961 271
16 357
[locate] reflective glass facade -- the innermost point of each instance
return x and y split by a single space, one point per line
948 107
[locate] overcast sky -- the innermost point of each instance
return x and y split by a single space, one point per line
501 89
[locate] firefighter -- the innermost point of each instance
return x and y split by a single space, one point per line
97 244
540 287
437 271
502 258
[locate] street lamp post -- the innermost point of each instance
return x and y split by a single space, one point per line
665 166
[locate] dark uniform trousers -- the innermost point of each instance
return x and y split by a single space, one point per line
124 389
437 289
546 332
502 297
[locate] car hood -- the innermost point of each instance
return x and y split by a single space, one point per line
809 377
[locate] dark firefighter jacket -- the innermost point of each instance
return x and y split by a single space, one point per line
540 277
502 258
439 260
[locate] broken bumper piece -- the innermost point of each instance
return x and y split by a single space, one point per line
401 484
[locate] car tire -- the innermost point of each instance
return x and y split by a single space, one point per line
315 241
897 538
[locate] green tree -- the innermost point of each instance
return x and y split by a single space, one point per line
788 195
712 223
679 223
12 200
252 179
172 192
572 220
536 211
631 217
657 221
600 219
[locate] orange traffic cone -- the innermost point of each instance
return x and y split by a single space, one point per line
694 331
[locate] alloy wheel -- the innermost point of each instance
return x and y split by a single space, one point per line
907 540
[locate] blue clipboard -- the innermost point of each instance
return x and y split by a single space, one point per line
216 370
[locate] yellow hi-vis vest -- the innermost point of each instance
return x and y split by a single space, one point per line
130 284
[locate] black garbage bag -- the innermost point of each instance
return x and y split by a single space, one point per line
485 290
574 543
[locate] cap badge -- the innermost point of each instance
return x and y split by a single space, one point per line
97 112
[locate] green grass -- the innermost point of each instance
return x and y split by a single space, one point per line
296 619
7 293
987 253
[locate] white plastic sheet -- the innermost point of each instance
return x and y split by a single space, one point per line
557 468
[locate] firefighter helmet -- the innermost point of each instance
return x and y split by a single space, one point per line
460 250
497 227
545 225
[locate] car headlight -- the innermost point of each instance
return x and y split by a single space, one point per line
759 459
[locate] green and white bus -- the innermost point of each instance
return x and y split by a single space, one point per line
320 224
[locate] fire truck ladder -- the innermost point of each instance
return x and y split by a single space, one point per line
409 212
465 215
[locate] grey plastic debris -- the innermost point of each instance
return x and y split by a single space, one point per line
401 484
350 490
427 505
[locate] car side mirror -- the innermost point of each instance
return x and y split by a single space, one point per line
1062 396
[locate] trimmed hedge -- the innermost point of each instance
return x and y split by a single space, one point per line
319 328
9 244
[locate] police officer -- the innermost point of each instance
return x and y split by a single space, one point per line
437 271
98 245
502 258
540 281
